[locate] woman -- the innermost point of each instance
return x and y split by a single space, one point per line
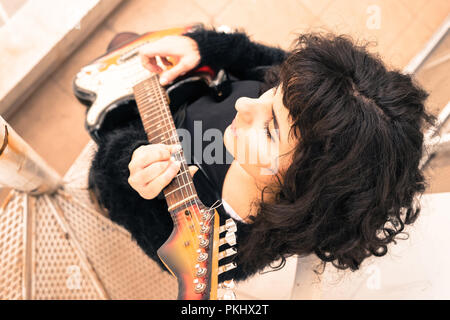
344 133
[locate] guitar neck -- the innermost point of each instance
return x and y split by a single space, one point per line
153 107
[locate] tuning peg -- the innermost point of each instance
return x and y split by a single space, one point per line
227 267
227 284
229 225
229 238
228 295
226 253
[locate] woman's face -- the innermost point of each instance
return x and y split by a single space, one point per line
258 136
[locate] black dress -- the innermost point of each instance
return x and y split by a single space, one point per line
148 221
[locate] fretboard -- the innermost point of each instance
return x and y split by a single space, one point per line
153 106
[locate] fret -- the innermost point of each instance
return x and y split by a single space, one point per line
155 117
159 135
163 138
157 120
161 125
154 126
145 99
151 109
182 202
180 174
183 186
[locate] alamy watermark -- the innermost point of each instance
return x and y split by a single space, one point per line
73 280
251 147
373 21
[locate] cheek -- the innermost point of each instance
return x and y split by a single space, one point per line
255 153
249 147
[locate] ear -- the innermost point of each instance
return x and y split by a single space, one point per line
192 170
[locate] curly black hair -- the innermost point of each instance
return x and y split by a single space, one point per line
355 173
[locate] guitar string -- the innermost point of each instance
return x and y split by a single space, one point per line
170 124
132 74
172 138
210 209
139 67
159 88
176 222
137 63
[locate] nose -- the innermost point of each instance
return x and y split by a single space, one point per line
245 107
249 109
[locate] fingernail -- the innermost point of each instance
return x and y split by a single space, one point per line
163 80
175 149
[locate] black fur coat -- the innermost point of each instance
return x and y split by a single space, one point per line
148 221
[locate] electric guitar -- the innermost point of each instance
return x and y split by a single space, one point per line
191 253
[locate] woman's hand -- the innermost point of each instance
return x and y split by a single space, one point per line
182 48
152 168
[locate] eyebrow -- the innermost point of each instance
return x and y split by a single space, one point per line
275 119
275 124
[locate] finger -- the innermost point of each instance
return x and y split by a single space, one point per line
192 170
154 63
150 64
166 62
147 154
144 176
173 73
161 47
156 185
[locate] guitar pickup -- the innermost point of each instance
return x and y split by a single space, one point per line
130 54
226 253
127 56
